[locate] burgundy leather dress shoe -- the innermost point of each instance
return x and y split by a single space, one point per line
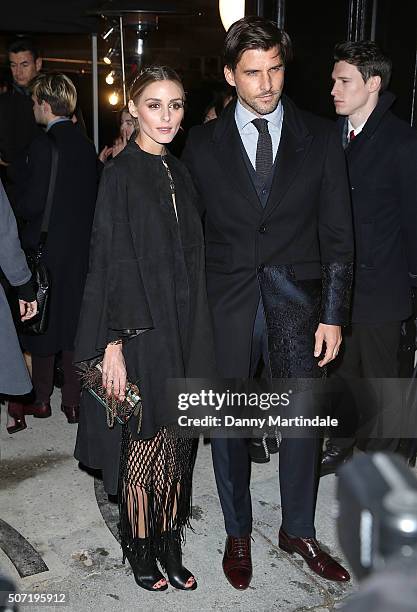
319 561
40 410
17 413
237 562
71 412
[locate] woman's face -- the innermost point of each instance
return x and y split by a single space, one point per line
127 124
159 112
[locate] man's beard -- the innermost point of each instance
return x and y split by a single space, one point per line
263 109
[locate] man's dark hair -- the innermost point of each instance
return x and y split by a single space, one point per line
24 44
254 33
367 57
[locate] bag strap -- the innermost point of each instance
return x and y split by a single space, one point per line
51 190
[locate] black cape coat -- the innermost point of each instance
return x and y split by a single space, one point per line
146 280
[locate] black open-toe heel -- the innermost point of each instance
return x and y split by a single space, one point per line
142 560
171 561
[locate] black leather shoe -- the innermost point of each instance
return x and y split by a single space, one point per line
333 457
260 449
142 560
171 560
71 412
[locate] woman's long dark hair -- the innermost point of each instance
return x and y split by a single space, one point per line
151 75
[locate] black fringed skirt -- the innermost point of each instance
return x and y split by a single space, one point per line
155 486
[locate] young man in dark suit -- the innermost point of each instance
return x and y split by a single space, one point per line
381 153
274 193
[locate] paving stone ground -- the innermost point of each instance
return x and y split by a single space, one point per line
59 510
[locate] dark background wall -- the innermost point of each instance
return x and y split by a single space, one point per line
191 43
317 25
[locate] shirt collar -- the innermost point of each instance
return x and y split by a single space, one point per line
24 91
357 130
243 116
58 120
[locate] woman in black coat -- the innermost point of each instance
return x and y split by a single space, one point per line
145 309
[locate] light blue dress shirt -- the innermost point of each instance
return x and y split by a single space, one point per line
249 133
58 120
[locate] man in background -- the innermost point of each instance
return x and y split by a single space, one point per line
66 250
381 153
17 124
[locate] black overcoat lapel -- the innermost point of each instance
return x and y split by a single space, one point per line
230 157
293 147
354 148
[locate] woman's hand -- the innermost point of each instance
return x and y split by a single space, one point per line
105 154
114 372
119 144
27 309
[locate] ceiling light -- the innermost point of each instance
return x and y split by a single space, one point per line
110 78
231 11
107 34
107 58
114 98
139 46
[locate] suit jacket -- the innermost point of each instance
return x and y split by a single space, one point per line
17 130
17 124
382 163
305 226
67 247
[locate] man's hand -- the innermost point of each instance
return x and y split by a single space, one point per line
331 335
27 309
114 372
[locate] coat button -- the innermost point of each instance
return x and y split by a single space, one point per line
261 268
262 229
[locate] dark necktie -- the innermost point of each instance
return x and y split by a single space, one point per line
351 135
264 148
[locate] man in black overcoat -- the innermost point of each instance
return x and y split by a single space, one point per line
18 127
66 249
279 251
381 153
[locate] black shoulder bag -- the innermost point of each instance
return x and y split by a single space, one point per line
40 273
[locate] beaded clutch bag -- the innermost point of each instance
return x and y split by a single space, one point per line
115 410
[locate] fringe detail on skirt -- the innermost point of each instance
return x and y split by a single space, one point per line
155 486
